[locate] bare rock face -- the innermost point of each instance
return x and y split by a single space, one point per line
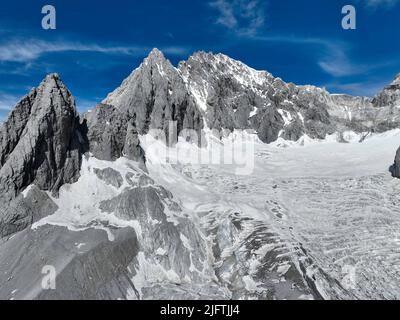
13 128
390 96
151 98
41 144
25 210
132 149
395 168
169 240
107 129
109 176
155 94
235 96
112 135
96 269
41 141
232 95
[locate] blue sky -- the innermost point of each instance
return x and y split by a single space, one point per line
98 43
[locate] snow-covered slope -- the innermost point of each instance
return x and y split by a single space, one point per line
326 212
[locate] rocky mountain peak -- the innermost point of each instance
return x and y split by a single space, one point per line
52 77
226 66
157 64
155 55
154 68
153 95
40 141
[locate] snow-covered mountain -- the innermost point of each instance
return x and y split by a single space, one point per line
88 195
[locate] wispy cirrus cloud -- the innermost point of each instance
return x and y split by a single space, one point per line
243 17
380 3
336 62
7 101
331 56
20 50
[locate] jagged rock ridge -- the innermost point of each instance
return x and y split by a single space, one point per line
40 144
234 96
41 141
155 94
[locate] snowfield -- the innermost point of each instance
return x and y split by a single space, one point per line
312 219
334 205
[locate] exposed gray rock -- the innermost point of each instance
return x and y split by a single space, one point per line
395 168
132 149
112 135
390 96
169 240
107 129
25 210
234 96
268 125
109 176
138 179
88 266
41 142
12 129
154 95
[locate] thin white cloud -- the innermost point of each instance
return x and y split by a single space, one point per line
332 56
244 17
336 62
380 3
30 50
7 101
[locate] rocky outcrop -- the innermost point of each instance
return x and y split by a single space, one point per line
235 96
169 240
153 96
389 102
132 149
107 129
232 95
390 96
109 176
112 135
21 212
395 168
41 142
88 265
